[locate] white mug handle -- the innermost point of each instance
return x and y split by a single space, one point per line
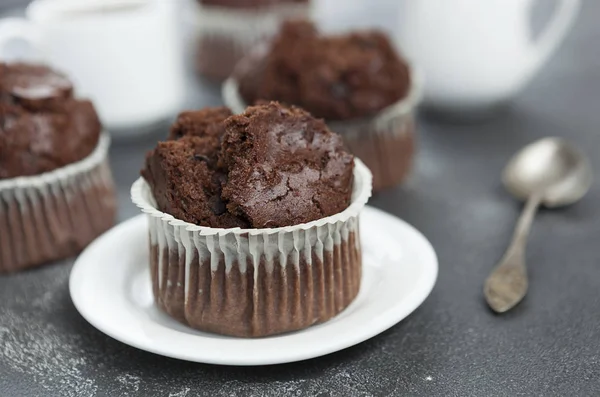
19 29
555 31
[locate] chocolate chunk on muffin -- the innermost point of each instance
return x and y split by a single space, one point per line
334 77
34 87
42 126
285 167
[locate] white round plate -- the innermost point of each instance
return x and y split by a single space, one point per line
110 287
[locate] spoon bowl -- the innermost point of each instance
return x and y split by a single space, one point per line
551 167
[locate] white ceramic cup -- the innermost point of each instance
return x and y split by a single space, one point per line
477 53
125 55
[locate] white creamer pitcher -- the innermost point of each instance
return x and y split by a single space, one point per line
122 54
477 53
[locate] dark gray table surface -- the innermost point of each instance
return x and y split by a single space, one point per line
450 346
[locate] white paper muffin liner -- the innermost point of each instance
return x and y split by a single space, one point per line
56 214
226 35
255 282
385 142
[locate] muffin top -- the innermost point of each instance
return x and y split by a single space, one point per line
42 126
207 122
275 167
334 77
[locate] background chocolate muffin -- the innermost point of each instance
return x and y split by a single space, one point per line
334 77
229 29
45 130
356 82
42 127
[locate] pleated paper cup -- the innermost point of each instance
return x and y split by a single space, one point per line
226 35
255 282
385 142
56 214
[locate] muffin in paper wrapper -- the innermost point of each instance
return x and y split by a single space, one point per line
255 282
225 35
385 142
56 214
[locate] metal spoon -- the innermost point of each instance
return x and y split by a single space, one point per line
549 172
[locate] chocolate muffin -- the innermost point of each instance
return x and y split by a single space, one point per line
333 77
42 126
266 238
356 82
228 29
45 131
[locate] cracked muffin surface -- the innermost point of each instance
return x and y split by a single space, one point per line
285 167
273 166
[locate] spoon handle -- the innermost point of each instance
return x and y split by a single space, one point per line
519 239
507 284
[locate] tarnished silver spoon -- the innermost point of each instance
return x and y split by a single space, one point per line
549 172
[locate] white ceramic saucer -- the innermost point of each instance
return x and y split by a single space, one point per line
110 286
